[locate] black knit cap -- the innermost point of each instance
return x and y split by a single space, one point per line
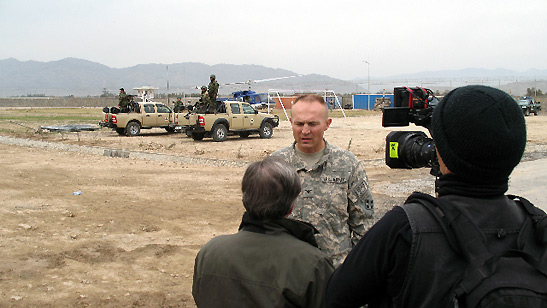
480 133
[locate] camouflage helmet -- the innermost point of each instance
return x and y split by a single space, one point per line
203 88
213 76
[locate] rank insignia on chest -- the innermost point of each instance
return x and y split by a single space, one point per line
307 193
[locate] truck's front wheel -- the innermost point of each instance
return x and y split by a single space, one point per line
132 129
266 130
219 132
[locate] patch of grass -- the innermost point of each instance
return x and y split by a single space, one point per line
37 118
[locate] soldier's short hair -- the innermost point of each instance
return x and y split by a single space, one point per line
270 188
310 98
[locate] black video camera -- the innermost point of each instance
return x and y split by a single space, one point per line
410 149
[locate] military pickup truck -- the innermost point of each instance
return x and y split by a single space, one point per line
529 105
144 115
232 118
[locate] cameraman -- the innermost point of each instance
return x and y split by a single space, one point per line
480 136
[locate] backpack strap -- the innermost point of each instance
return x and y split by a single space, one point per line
537 215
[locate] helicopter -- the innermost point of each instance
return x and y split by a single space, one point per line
251 97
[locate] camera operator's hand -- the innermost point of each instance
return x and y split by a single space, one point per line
423 117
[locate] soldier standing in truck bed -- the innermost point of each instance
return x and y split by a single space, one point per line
213 88
213 92
179 106
123 100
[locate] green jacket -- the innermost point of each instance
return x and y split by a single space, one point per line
266 264
213 90
203 104
123 99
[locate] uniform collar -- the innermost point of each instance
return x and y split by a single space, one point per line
301 164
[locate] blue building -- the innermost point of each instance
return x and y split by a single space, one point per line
361 101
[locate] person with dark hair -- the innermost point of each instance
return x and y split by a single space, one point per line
409 258
272 261
336 197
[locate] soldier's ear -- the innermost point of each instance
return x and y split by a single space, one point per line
329 121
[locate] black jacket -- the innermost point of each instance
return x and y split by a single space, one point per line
393 267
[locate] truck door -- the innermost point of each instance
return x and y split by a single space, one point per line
163 113
251 118
149 116
236 118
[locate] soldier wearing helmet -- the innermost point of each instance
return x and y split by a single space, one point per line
204 102
179 106
123 100
213 88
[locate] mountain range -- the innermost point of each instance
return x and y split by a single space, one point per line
78 77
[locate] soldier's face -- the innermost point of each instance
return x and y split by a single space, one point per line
309 122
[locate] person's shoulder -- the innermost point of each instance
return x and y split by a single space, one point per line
338 153
286 151
302 252
218 242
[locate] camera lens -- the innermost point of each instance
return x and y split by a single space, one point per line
410 150
418 150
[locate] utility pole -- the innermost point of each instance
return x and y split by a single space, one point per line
167 73
368 81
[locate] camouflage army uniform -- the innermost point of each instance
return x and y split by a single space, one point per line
178 105
123 100
213 90
335 198
204 103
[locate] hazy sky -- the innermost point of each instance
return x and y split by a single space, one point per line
333 38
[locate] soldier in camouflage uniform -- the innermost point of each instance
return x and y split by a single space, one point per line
179 106
335 195
123 100
202 106
213 92
213 88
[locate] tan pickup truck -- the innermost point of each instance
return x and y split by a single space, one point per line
232 118
144 115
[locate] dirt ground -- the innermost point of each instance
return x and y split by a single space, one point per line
130 238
